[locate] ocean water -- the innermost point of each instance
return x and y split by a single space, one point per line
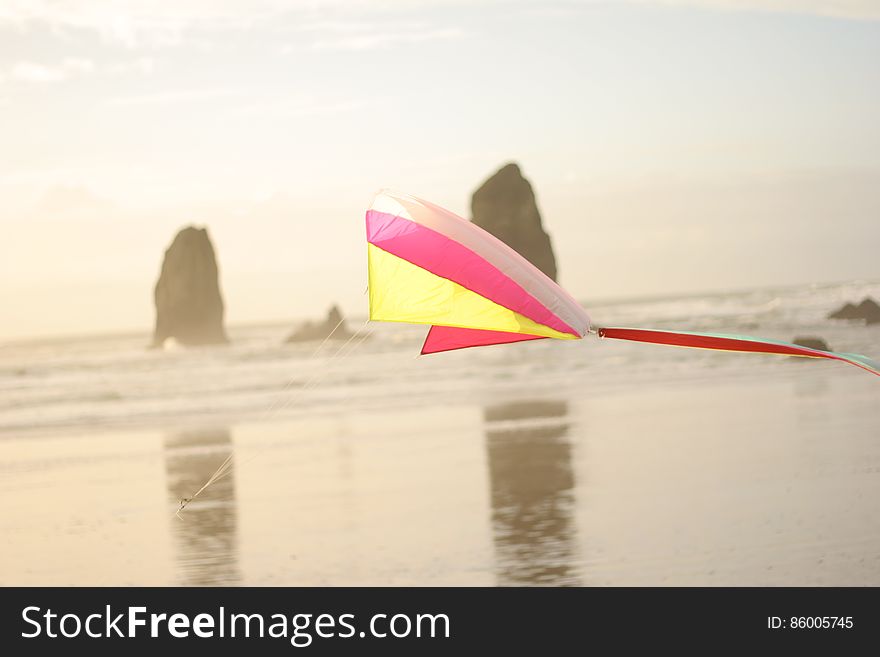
112 382
588 462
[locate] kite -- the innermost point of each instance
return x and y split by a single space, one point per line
429 266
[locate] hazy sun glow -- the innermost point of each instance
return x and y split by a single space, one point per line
674 146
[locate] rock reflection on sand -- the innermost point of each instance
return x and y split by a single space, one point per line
205 536
532 482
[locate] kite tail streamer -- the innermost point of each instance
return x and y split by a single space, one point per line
743 343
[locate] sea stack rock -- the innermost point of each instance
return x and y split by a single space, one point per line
868 310
189 307
505 206
322 330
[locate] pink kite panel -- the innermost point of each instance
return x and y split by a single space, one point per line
448 338
448 259
494 251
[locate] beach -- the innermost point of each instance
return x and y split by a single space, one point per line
543 463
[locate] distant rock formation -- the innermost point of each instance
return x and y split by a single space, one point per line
189 307
505 206
846 311
868 310
320 330
812 342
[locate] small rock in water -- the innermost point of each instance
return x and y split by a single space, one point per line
846 311
811 342
868 310
321 330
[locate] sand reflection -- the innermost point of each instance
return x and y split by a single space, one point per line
205 540
532 484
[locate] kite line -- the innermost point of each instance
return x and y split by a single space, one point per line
225 468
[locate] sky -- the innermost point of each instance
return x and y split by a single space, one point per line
673 146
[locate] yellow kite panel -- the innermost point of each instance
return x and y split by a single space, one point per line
403 292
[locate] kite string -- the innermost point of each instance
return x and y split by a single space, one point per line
329 335
226 466
291 380
228 471
338 354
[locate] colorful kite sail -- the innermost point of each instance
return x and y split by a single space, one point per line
430 266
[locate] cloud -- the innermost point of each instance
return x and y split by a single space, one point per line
72 67
299 107
176 96
158 23
852 9
243 102
70 199
144 65
364 35
41 73
143 23
371 40
31 72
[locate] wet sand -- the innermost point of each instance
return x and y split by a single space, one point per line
751 482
